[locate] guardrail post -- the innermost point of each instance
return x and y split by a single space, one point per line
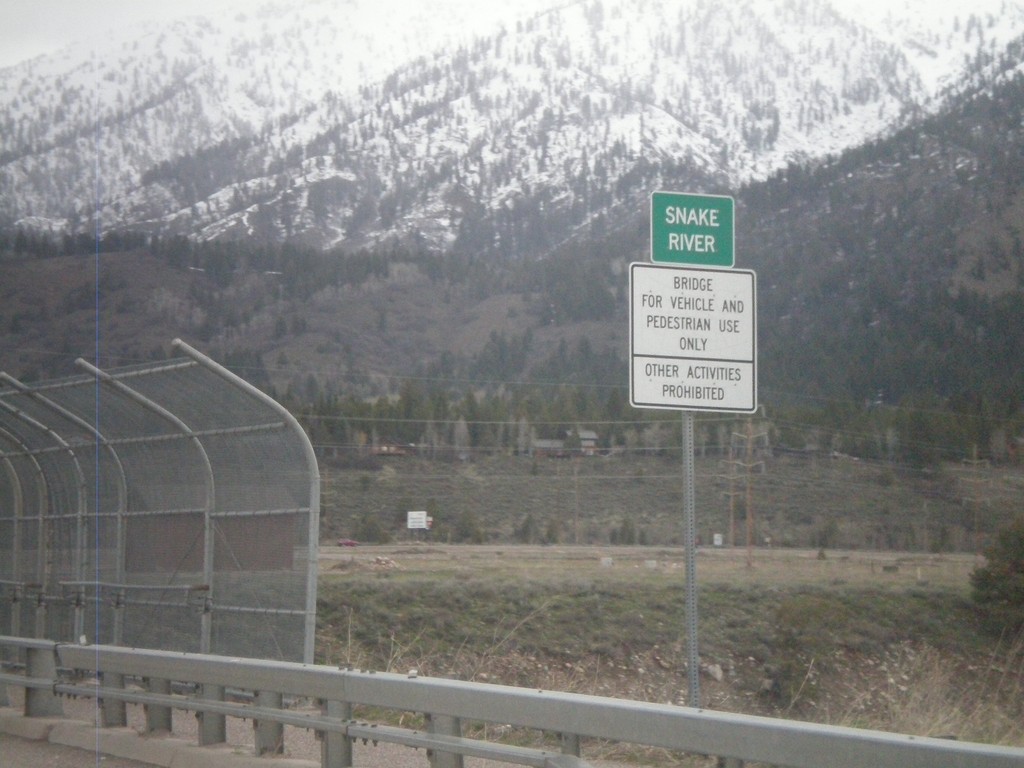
158 718
336 747
42 702
4 699
212 727
114 711
269 736
570 744
445 725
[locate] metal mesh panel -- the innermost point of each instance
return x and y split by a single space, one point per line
253 635
168 609
168 505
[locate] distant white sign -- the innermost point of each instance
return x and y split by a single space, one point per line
417 520
693 338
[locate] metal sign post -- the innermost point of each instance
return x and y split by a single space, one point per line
690 545
693 347
692 342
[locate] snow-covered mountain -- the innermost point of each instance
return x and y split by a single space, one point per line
457 126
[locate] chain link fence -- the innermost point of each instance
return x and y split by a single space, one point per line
168 505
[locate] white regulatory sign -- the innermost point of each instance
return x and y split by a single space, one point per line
693 338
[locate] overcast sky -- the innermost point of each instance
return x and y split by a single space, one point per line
33 27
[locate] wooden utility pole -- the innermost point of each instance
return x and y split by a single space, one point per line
731 494
732 500
750 495
576 495
976 481
749 436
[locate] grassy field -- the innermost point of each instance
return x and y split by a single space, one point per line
858 612
839 502
867 638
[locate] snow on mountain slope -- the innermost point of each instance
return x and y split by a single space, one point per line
937 37
151 93
352 122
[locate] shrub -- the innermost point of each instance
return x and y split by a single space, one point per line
998 586
369 528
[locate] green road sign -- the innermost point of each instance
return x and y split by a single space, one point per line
692 229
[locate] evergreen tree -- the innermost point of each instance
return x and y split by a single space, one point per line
998 586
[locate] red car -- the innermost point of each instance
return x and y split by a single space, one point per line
348 543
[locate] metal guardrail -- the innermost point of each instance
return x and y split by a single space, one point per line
447 706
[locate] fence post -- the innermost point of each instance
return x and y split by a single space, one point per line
117 607
16 595
336 747
42 662
158 718
570 744
10 654
212 727
4 656
444 725
40 615
78 603
114 711
269 736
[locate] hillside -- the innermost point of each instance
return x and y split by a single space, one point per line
902 259
889 306
890 275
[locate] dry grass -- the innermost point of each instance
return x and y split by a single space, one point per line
874 640
923 694
782 568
